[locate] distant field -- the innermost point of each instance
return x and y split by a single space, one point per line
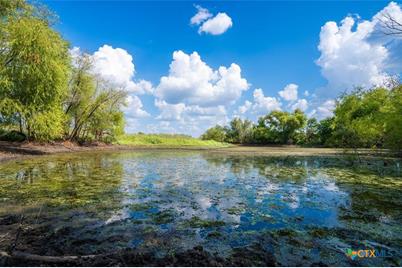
166 140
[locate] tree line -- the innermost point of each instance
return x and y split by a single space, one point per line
361 119
45 93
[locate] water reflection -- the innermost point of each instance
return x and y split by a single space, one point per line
171 201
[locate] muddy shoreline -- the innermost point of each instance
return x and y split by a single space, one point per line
21 150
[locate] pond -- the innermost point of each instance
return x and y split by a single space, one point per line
244 209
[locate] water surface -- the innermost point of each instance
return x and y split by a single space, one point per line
303 211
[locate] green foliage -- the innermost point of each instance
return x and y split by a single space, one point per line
283 127
317 133
216 133
44 95
325 131
276 127
261 134
12 136
169 140
10 111
239 131
48 125
311 135
106 124
10 7
34 67
359 119
92 106
363 118
393 120
367 119
36 64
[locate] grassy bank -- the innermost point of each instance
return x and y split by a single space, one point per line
168 140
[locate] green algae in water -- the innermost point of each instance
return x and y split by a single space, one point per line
140 207
304 210
196 222
163 217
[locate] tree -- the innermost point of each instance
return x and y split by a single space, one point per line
391 25
35 64
311 135
92 105
216 133
81 88
42 92
359 119
282 127
239 131
325 131
263 135
8 8
393 120
106 123
101 105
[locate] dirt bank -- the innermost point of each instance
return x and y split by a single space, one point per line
17 150
14 150
291 150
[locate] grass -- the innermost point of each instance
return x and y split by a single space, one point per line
166 140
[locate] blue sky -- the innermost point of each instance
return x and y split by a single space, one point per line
274 45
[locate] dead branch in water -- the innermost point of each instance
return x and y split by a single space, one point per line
45 259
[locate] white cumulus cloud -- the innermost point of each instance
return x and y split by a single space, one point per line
202 15
193 82
245 108
114 64
263 104
351 56
301 104
326 109
289 93
141 87
210 24
191 119
134 108
216 25
117 67
196 110
194 96
182 112
170 112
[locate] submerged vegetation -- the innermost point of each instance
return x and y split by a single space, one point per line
298 210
